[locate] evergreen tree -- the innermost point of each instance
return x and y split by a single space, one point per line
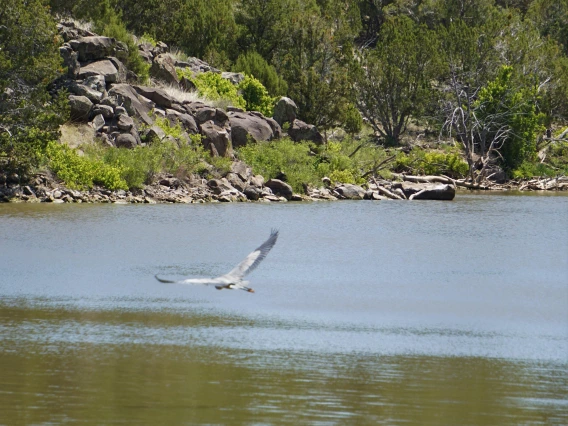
29 61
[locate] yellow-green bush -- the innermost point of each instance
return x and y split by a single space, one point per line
212 86
421 162
82 172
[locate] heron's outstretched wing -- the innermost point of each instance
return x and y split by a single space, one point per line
253 259
201 281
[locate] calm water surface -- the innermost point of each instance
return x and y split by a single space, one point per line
421 313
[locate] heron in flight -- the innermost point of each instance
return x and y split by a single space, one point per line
234 279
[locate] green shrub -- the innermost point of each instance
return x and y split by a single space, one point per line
253 64
214 87
82 172
421 162
282 156
175 131
504 105
256 96
304 163
353 122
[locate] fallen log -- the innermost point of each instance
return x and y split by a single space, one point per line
386 192
441 179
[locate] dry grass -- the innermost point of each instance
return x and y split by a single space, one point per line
75 135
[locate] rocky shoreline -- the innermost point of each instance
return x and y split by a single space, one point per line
241 185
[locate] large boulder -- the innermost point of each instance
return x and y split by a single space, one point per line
350 191
125 140
187 121
82 90
157 95
216 138
103 68
280 188
163 68
97 47
196 65
300 131
80 107
246 127
68 30
428 191
127 97
285 111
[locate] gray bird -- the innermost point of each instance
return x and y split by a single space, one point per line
234 279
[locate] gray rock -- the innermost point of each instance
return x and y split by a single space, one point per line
83 90
300 131
128 98
257 181
156 95
196 65
104 68
234 77
235 181
216 138
428 191
98 122
120 110
218 186
106 111
80 107
276 129
280 188
155 133
70 60
145 50
122 70
247 127
163 68
125 123
69 31
205 114
285 111
242 170
95 47
252 193
221 118
125 140
187 121
96 82
350 191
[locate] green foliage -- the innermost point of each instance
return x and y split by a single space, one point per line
80 172
353 121
500 105
251 63
175 131
29 61
282 156
303 163
256 96
214 87
393 87
111 24
422 162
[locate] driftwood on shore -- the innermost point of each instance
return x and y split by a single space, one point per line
537 184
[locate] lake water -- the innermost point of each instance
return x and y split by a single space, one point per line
420 313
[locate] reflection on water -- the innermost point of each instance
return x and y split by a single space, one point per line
166 367
365 313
